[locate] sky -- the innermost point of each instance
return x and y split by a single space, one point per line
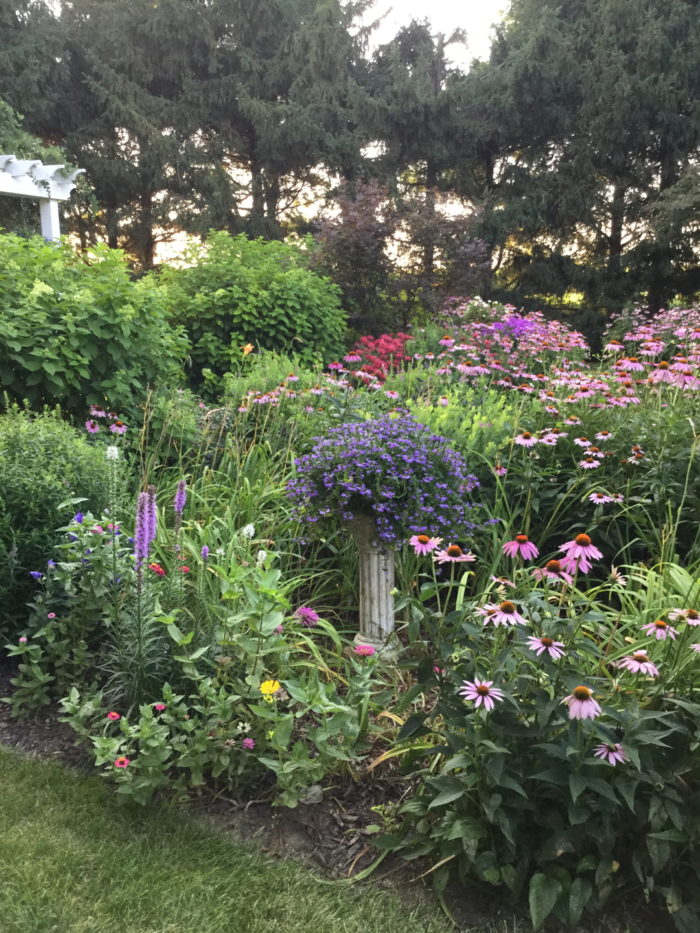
474 16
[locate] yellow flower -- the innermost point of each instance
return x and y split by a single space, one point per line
268 687
248 348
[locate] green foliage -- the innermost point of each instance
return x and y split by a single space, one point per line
78 330
44 463
242 291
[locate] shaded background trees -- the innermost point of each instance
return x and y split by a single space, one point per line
561 172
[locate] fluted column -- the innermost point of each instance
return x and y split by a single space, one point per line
376 585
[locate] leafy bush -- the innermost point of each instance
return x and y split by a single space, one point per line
241 292
43 462
77 329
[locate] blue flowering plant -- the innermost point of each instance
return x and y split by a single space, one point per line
393 469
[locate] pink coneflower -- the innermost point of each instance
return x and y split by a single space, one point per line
579 553
691 616
638 663
505 613
544 643
573 420
248 744
603 436
526 439
695 648
660 629
482 692
612 752
503 581
122 762
500 470
97 412
365 651
617 577
582 442
113 716
520 546
159 707
453 554
423 544
581 704
307 616
600 498
118 427
552 570
92 427
589 463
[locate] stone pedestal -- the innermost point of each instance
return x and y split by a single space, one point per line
376 586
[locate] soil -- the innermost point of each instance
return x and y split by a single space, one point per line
330 834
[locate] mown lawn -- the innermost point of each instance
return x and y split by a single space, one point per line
74 861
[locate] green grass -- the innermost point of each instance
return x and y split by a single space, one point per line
75 861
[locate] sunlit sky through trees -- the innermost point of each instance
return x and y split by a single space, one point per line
475 17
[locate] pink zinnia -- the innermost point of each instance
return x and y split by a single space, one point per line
307 616
159 707
543 643
504 613
453 554
611 752
50 615
92 427
482 692
520 546
660 629
638 663
248 744
122 762
113 716
581 704
578 554
423 544
365 651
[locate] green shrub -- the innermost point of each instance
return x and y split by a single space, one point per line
244 291
77 329
43 463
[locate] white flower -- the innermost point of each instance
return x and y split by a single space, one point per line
244 726
260 558
220 551
248 531
112 452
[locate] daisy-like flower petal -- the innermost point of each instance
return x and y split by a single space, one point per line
520 546
526 439
612 752
481 692
579 553
543 643
423 544
552 570
691 616
660 629
638 663
453 554
581 703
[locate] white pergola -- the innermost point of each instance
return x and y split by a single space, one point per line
48 184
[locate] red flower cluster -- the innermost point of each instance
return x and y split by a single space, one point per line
156 568
381 355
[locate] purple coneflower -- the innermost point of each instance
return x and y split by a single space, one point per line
423 544
600 498
520 546
582 441
581 704
589 463
118 427
92 427
603 436
691 616
579 553
660 629
638 663
307 616
552 570
612 752
505 613
526 439
544 643
453 554
695 648
482 692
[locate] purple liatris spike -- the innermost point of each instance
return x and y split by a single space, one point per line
180 497
205 552
146 523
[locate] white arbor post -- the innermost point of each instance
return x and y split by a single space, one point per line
48 184
376 586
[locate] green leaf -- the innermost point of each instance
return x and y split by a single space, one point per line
579 895
577 785
544 891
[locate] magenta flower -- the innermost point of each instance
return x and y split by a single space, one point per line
423 544
92 427
122 762
552 570
118 427
612 752
526 439
23 639
159 707
600 498
50 615
248 744
180 497
453 554
482 692
520 546
365 651
582 442
543 643
660 629
581 704
307 616
691 616
113 716
505 613
578 554
589 463
638 662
